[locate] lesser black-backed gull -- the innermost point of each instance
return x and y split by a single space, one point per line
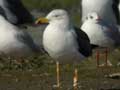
63 42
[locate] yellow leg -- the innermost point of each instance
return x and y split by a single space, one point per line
58 74
75 79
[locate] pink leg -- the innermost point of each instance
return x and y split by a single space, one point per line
106 56
97 58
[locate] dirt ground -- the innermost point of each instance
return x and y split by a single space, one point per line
89 79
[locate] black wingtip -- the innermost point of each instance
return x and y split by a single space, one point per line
93 46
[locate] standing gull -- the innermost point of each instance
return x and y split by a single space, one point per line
107 9
16 12
63 42
100 32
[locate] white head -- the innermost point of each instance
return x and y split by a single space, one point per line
92 16
55 16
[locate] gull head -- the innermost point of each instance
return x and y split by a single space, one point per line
92 16
55 16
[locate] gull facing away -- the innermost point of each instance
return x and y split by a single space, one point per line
107 9
15 12
13 41
101 33
63 42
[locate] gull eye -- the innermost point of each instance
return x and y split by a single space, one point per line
56 15
91 17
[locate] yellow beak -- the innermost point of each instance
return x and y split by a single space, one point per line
41 21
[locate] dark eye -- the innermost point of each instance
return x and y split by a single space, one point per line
91 17
56 15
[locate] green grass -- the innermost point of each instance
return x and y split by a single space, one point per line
72 6
50 4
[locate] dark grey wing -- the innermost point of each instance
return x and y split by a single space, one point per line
25 38
116 10
83 42
16 8
81 34
112 32
114 35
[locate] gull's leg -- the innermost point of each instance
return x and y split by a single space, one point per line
58 74
97 58
75 79
106 57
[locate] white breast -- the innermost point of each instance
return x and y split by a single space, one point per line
97 34
61 45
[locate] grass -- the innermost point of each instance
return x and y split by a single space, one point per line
50 4
44 76
72 6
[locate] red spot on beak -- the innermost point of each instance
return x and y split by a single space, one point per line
98 18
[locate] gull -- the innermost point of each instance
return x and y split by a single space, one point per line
62 41
101 33
13 41
107 9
